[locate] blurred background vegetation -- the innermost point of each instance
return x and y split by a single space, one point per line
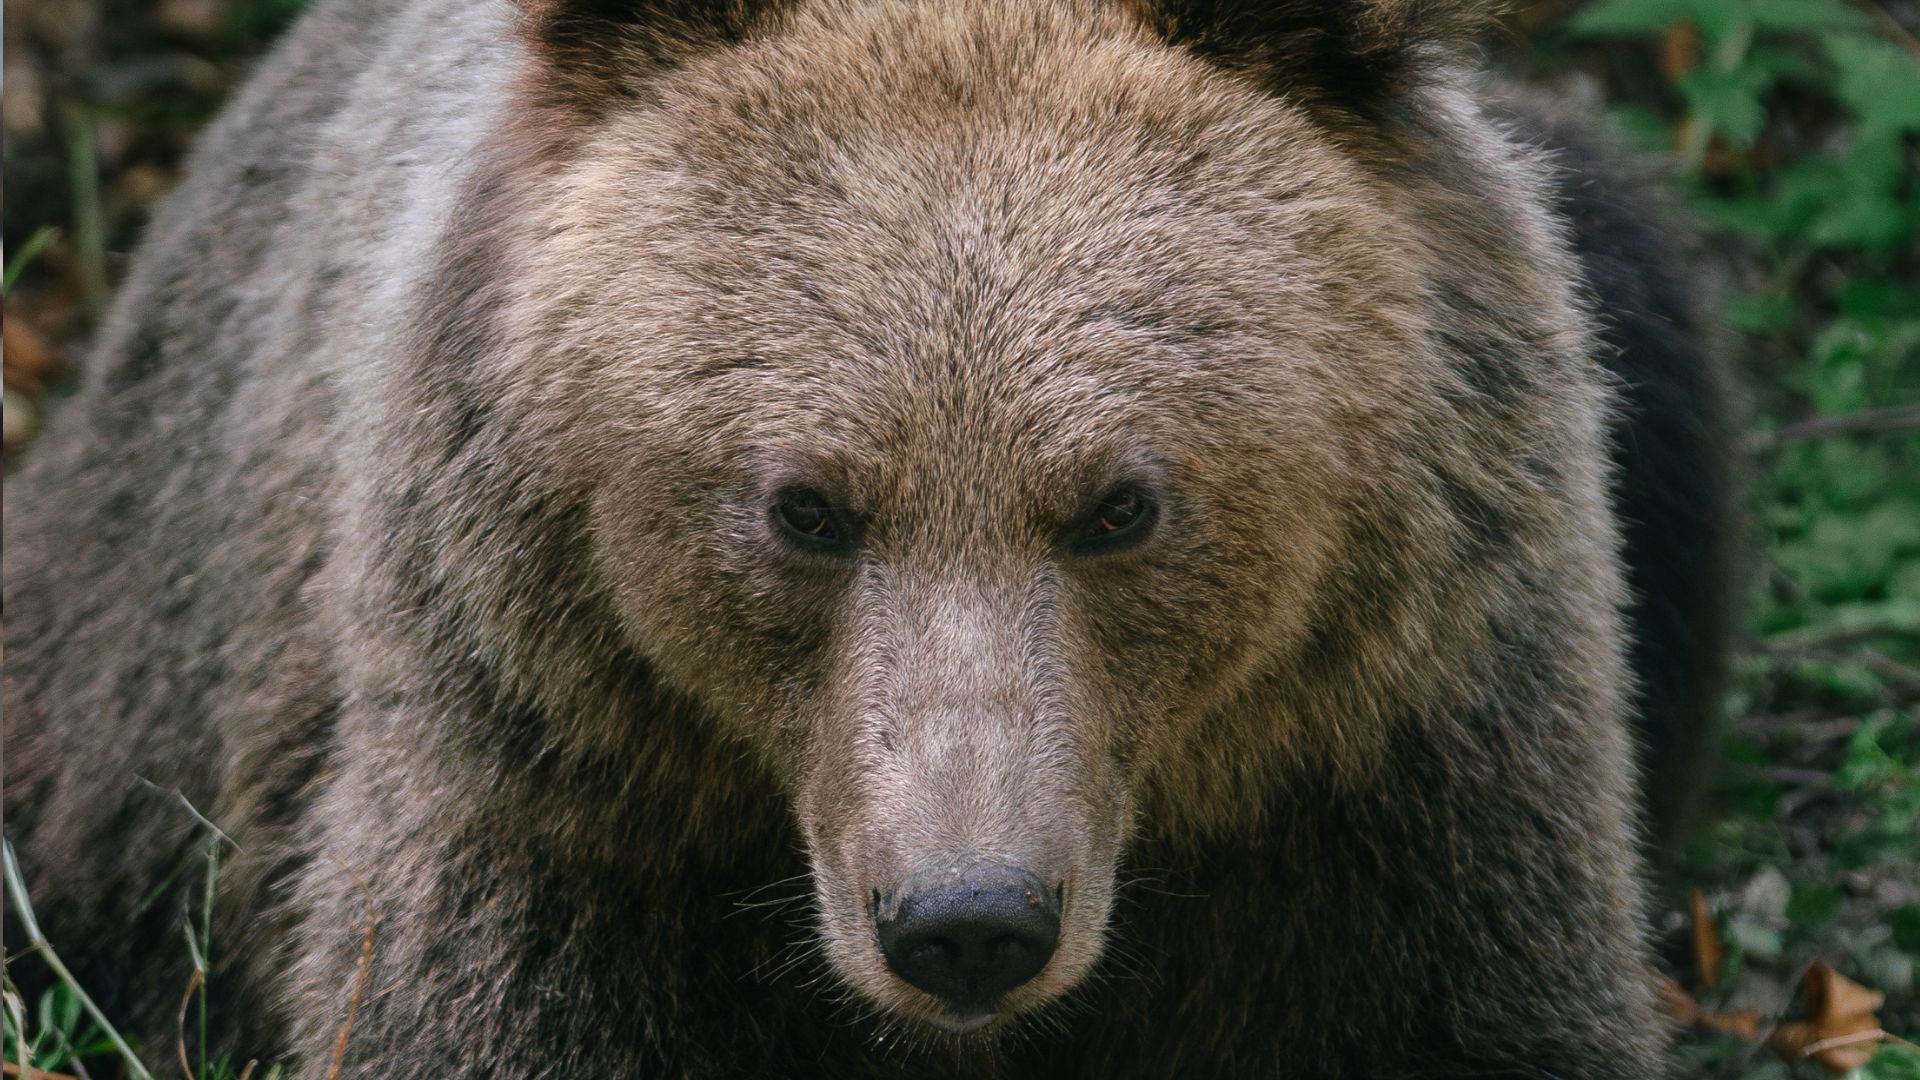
1793 132
1791 920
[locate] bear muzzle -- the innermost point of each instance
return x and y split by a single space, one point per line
967 935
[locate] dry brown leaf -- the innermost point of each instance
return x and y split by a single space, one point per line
1840 1053
10 1069
29 357
1841 1031
1679 50
1708 953
1790 1041
1677 1003
1744 1023
1831 994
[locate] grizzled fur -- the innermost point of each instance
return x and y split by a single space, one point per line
414 526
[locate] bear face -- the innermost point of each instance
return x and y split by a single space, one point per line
963 457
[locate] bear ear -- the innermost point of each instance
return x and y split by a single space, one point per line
590 47
1356 54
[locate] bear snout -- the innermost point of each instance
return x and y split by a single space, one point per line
969 936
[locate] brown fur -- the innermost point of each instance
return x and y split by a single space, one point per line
415 526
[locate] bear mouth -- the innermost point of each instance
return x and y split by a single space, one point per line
964 1023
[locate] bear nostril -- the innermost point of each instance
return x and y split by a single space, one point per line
936 951
968 937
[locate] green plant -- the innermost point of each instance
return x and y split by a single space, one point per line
60 1033
1796 129
23 911
67 1028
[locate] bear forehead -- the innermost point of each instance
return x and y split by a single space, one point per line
989 225
964 147
907 116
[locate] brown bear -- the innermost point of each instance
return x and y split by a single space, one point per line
870 538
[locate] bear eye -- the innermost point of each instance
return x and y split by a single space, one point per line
806 520
1121 520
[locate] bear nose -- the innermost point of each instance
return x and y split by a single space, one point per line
969 937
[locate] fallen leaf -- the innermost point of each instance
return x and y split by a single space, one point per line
1708 953
1677 1003
1744 1023
1679 50
1841 1030
1840 1053
30 358
1831 994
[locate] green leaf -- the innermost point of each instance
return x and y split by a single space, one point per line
1905 922
1878 81
1906 582
1780 63
1618 18
1892 1063
1868 298
1866 221
1728 102
1791 15
1758 218
1813 906
1754 939
1716 19
1758 314
44 235
1647 130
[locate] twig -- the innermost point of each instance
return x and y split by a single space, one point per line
1854 1039
1887 667
1903 676
1894 419
205 821
360 973
1889 25
1811 725
1813 639
180 1024
89 220
23 910
1787 774
206 938
8 1068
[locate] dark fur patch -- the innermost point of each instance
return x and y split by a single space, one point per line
1351 55
596 51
